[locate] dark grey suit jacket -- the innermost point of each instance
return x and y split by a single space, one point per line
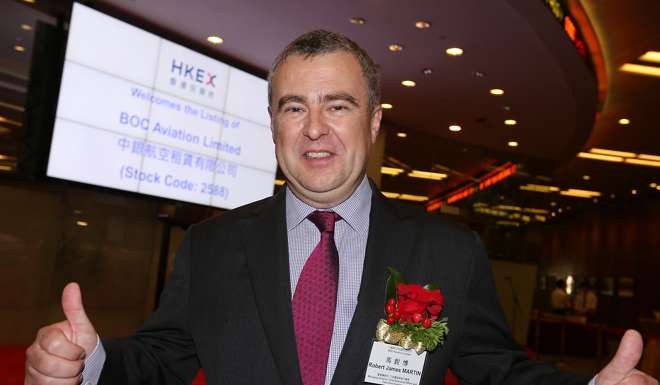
227 305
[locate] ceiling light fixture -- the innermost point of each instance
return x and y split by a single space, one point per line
651 56
414 198
5 168
214 39
408 83
512 143
454 51
82 223
357 20
639 69
624 154
653 185
19 48
427 175
497 91
422 24
578 193
607 158
510 122
624 121
455 128
649 157
427 71
634 192
386 106
26 27
586 177
394 171
643 162
539 188
401 134
395 47
29 1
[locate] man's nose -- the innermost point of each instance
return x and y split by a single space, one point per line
315 125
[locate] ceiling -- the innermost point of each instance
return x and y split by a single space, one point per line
515 45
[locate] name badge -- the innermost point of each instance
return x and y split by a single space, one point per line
394 365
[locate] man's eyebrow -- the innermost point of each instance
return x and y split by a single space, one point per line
342 96
289 98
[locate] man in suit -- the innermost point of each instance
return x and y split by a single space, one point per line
288 290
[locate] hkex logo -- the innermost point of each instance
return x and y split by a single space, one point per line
192 73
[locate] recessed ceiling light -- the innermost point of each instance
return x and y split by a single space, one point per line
427 71
553 204
29 1
653 185
510 122
624 122
357 20
559 210
455 128
26 27
454 51
478 74
595 200
386 106
19 48
586 177
497 91
395 47
401 134
215 39
408 83
634 192
651 56
612 196
422 24
82 223
512 143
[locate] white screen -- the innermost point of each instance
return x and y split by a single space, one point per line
139 113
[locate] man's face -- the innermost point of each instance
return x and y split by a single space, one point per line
321 126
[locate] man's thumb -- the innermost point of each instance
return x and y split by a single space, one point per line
625 359
74 310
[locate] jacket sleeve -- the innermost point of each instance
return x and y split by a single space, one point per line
162 351
486 352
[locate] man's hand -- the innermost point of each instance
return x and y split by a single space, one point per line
621 370
58 353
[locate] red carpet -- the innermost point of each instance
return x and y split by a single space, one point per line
12 368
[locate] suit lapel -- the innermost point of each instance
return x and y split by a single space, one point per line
266 247
389 243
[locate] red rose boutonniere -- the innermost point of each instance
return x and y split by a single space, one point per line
413 315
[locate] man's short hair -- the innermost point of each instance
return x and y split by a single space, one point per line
321 42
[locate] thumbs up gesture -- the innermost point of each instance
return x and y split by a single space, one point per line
57 355
621 370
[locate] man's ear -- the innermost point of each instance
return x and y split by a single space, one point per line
376 117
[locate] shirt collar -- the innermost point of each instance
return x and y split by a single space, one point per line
353 210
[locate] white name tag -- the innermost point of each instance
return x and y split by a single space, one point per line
394 365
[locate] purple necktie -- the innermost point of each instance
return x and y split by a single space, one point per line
314 301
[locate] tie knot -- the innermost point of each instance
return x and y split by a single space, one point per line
324 220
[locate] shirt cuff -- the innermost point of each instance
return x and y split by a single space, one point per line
94 364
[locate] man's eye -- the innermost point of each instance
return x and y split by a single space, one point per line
293 109
338 108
